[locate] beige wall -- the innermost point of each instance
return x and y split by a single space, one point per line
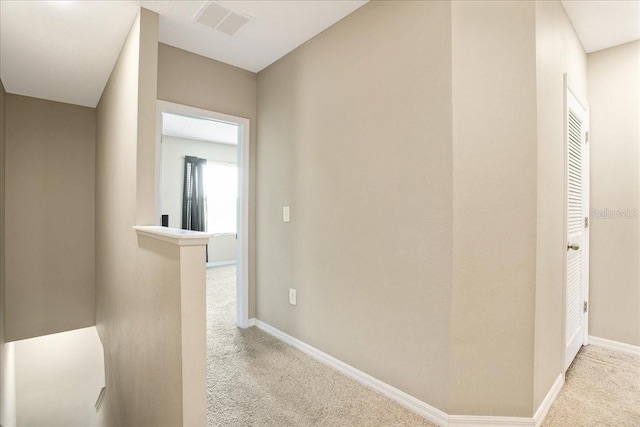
50 196
558 51
137 287
494 207
431 235
614 99
146 177
355 136
189 79
193 279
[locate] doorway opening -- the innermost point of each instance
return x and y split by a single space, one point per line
202 184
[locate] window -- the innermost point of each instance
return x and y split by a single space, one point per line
221 189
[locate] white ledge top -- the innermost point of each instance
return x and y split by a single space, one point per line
176 236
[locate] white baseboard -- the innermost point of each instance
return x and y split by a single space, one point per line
633 350
485 421
411 403
252 322
536 421
544 407
421 408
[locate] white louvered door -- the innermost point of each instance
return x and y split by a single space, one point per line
577 190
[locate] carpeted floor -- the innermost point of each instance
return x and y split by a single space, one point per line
602 388
254 379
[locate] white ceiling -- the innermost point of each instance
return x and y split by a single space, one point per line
62 51
602 24
199 128
278 28
65 50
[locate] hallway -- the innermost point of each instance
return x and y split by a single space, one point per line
254 379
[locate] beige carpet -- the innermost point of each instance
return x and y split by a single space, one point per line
602 388
254 379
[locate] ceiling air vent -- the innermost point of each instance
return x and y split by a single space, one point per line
221 18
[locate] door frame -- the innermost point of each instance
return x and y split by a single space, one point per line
242 249
570 88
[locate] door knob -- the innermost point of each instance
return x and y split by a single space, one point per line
573 246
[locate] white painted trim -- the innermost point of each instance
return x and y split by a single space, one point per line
252 322
220 263
175 236
563 345
411 403
242 250
551 396
614 345
487 421
428 412
187 110
586 174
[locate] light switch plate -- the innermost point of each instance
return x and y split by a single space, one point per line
292 296
285 214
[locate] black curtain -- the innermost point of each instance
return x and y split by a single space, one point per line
194 204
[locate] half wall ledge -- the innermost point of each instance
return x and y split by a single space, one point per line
175 236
